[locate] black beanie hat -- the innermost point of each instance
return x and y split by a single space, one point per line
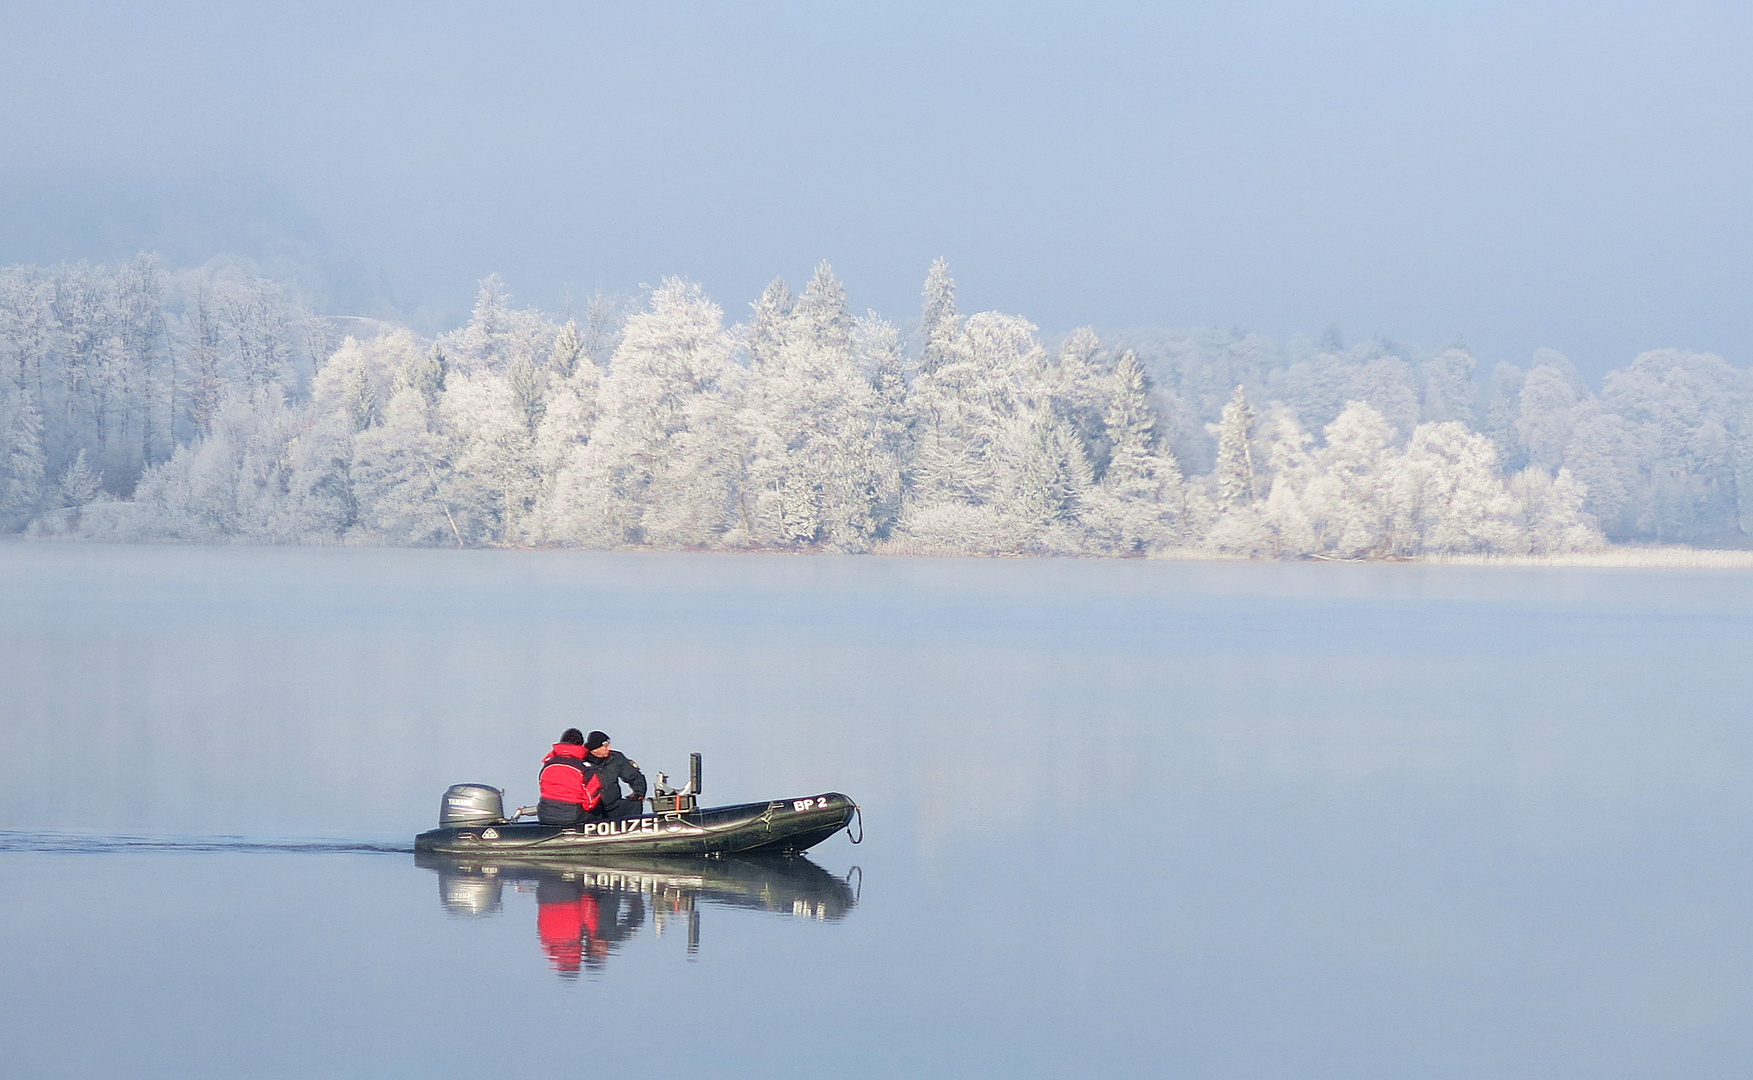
596 739
572 736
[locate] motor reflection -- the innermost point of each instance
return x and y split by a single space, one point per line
585 911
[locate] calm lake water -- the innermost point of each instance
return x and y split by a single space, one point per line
1123 818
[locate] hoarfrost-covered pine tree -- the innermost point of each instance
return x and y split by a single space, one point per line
1080 391
568 419
1140 504
1235 452
876 343
663 462
401 466
939 325
80 484
492 482
23 463
1044 480
815 464
988 445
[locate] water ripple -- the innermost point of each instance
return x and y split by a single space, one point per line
86 844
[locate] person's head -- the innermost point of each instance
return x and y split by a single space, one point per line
598 744
572 737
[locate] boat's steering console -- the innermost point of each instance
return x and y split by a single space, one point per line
668 800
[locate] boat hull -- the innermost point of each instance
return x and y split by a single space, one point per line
779 827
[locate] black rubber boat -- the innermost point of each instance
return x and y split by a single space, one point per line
472 822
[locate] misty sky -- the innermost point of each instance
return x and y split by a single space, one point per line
1512 175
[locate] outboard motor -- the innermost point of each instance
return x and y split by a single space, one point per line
471 804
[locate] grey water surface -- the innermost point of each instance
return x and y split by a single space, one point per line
1123 818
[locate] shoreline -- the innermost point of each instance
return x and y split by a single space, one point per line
1674 556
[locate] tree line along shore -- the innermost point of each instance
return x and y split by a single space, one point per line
140 404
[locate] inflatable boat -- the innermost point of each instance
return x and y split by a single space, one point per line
472 822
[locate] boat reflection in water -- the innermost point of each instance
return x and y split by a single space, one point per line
586 909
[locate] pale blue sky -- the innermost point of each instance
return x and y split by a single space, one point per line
1578 175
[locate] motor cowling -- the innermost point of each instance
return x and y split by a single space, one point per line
471 804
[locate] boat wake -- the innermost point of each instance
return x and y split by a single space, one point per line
87 844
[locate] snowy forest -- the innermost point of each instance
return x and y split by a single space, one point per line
210 406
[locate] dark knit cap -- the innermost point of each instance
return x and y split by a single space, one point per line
572 736
596 739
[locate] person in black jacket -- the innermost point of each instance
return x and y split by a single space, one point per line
612 767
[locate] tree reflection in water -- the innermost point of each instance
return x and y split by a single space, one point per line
586 909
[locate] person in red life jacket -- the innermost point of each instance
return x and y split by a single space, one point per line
611 768
571 787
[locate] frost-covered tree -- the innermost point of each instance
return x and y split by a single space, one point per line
601 333
1080 389
567 351
990 371
1551 515
1549 401
1335 498
203 341
1315 388
1385 382
80 484
1235 452
482 342
260 324
998 465
568 420
23 461
1503 414
662 464
1140 505
1602 454
400 470
499 336
1684 411
1445 495
811 422
876 343
492 482
939 325
233 485
1448 387
1043 480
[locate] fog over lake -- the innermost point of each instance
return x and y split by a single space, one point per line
1134 816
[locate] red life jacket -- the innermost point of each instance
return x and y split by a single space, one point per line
567 778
